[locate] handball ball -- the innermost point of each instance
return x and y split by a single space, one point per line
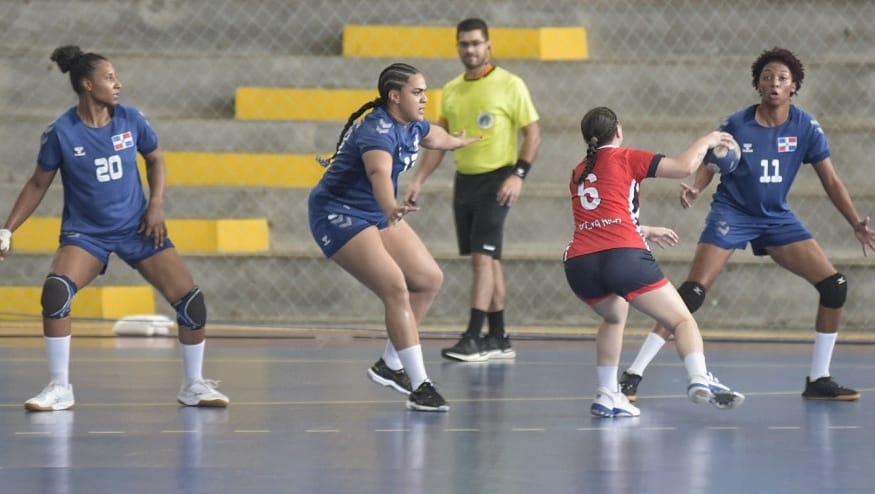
722 158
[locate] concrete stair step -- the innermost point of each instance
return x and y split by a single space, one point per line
312 290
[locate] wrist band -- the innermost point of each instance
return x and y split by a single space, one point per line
521 169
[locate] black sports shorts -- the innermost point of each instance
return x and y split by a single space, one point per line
625 272
478 215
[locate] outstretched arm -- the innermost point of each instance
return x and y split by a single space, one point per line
28 199
687 162
437 143
841 198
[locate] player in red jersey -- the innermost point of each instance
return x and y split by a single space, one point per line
609 266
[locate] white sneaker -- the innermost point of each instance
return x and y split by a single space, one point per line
612 404
55 396
707 389
202 393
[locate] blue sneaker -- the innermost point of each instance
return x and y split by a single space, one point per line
609 404
707 389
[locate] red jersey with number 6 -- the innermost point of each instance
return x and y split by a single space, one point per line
606 203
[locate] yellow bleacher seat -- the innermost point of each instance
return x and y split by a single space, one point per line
334 105
102 302
248 235
544 43
194 169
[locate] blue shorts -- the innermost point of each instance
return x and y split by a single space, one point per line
625 272
730 230
334 223
131 247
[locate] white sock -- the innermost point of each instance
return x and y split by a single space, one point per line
58 353
651 346
411 360
390 357
824 343
608 377
695 364
193 362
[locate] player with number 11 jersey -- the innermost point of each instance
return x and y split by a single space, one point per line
771 159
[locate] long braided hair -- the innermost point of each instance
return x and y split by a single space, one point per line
393 77
598 126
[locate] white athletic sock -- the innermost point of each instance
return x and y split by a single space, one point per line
824 343
193 362
651 346
411 360
608 377
58 353
390 356
695 364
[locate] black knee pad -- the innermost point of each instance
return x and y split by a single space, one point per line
693 295
833 291
191 311
57 297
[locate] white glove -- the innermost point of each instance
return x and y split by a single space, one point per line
5 241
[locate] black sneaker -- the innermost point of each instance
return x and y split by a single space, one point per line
398 380
426 399
497 347
467 350
827 389
629 385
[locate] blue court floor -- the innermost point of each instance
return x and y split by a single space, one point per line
305 419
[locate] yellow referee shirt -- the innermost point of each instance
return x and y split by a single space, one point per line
495 106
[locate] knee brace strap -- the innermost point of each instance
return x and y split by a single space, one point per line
57 297
833 291
191 311
693 295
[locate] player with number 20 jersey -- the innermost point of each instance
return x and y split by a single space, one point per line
104 192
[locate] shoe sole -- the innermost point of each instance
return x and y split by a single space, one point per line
632 398
723 400
217 403
465 358
33 407
610 413
501 355
854 397
386 383
422 408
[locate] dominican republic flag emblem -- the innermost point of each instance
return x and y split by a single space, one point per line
786 144
126 140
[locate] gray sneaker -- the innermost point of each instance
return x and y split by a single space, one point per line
202 393
53 397
398 380
496 347
466 350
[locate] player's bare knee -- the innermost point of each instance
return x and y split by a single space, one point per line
693 295
57 296
833 291
191 311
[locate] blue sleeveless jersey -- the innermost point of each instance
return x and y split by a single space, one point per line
103 192
346 179
771 157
